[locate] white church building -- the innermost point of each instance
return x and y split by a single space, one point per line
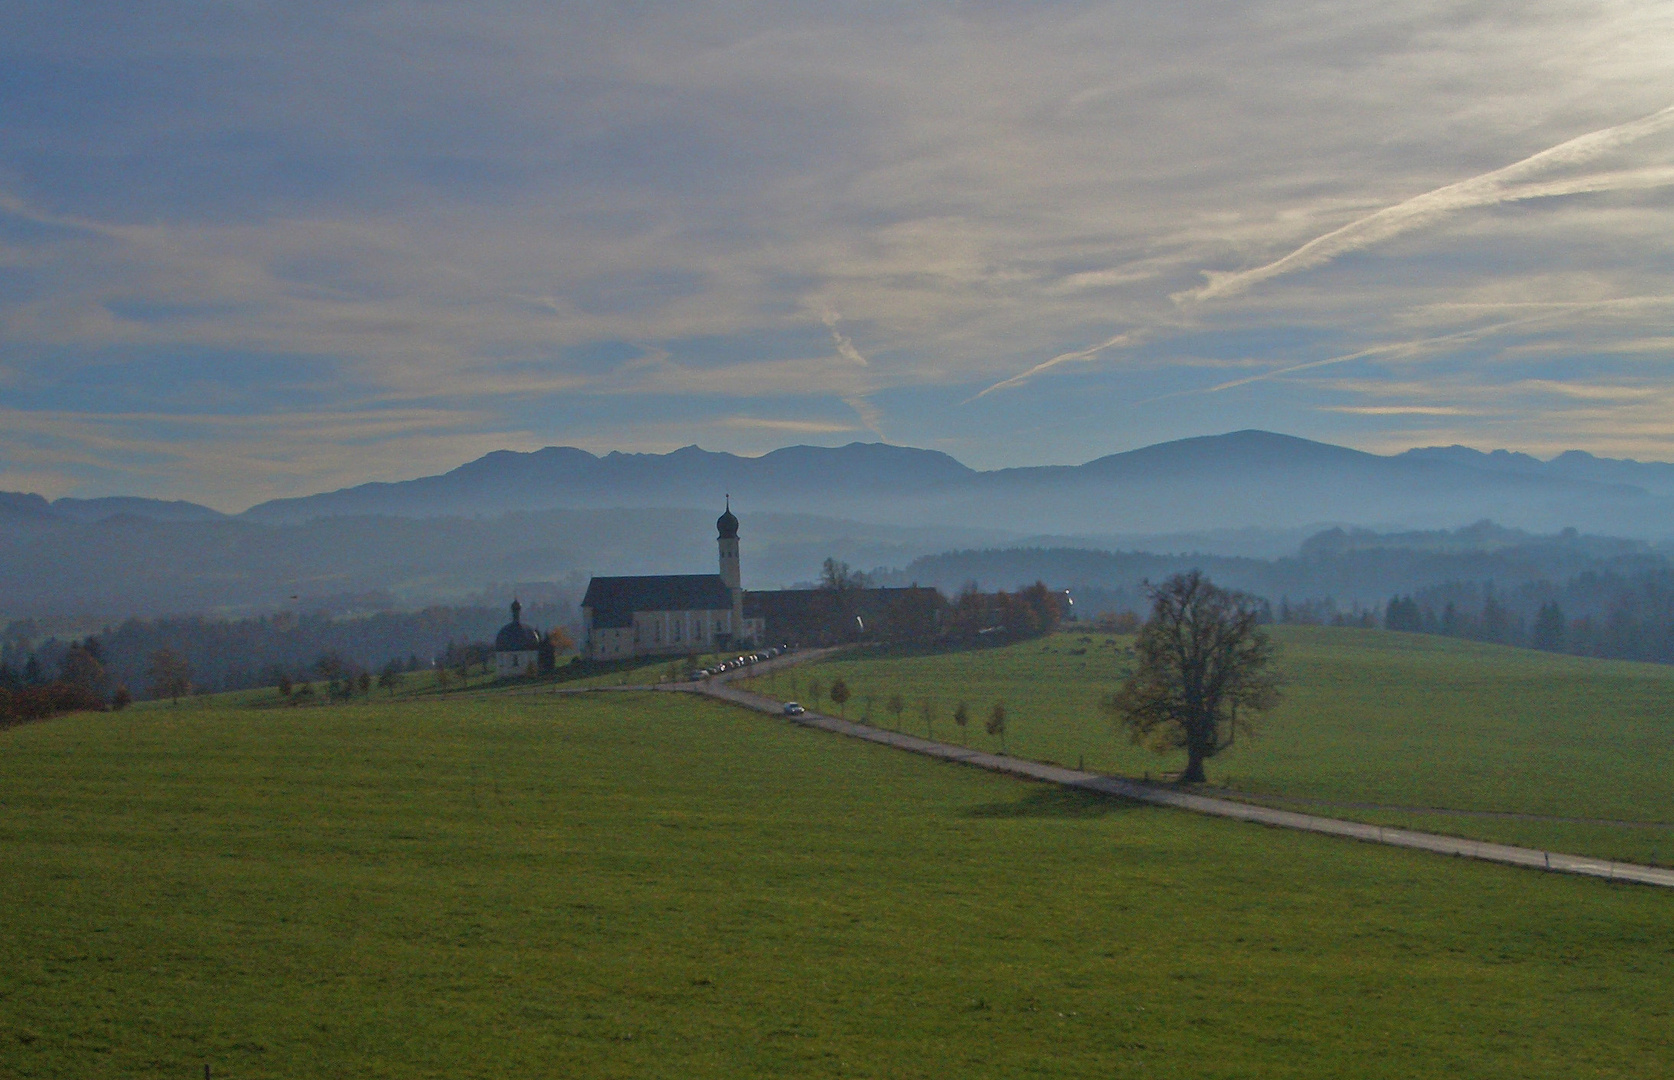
670 614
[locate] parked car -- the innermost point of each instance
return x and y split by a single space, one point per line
793 709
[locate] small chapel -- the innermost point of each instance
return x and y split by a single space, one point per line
517 648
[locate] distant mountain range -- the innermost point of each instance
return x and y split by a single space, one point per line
561 511
1247 479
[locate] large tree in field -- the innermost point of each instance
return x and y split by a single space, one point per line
1204 671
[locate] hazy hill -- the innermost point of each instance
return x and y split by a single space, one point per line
545 515
17 507
1352 568
1656 477
1241 480
126 565
807 479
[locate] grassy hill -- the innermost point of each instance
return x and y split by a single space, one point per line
658 886
1371 719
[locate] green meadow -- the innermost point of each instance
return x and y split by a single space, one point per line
1494 741
654 885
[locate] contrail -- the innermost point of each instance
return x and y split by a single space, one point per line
1392 349
1512 183
1508 184
870 417
845 347
1126 337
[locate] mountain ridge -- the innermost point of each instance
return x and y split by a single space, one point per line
1247 478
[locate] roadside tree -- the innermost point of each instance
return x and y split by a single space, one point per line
839 694
1204 671
996 725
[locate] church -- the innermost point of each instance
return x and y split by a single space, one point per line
671 614
682 614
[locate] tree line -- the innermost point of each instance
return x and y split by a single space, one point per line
1608 615
237 654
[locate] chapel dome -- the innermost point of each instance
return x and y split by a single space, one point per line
727 525
514 636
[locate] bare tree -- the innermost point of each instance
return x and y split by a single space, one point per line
895 706
1204 672
838 577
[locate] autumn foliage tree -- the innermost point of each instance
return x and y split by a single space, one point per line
1204 672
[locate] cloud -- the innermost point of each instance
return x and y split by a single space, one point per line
557 225
799 427
845 347
1077 356
1402 410
1512 183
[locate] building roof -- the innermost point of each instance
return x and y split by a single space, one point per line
615 599
514 636
770 603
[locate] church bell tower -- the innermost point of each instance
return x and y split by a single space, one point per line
726 527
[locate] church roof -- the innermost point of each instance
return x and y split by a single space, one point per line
615 599
514 636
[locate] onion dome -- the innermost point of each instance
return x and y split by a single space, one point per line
514 636
727 525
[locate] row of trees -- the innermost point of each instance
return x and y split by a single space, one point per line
1603 615
975 616
840 695
236 654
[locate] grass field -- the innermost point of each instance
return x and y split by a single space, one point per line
1399 720
658 886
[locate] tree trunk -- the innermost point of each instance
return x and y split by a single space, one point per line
1194 766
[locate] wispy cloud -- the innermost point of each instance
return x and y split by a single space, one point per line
1402 410
1076 356
1513 183
797 427
719 211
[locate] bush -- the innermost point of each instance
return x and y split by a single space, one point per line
41 702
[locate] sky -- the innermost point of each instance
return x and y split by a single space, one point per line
253 250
